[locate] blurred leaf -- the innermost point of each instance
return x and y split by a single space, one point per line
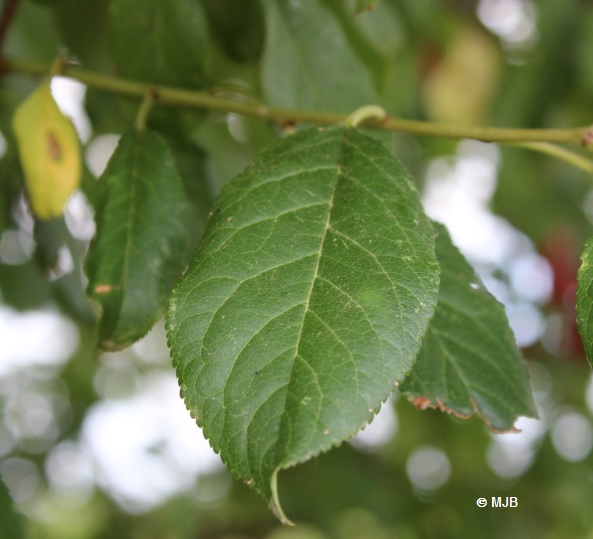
585 299
469 362
59 259
32 34
308 62
73 19
322 234
373 36
381 27
142 240
423 21
460 88
190 161
585 69
110 113
161 42
549 195
365 5
11 186
521 100
49 152
23 286
11 523
228 156
239 26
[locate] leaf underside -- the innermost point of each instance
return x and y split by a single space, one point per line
305 304
469 362
585 300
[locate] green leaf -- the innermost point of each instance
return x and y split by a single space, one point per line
469 362
73 19
305 304
585 299
11 522
365 5
238 25
381 28
308 62
162 42
30 34
141 242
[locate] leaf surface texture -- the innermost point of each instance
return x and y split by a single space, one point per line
306 301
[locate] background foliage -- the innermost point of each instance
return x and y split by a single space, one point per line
515 63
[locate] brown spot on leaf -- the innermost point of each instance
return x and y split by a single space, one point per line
103 288
54 149
422 403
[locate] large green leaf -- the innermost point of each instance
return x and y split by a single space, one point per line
162 42
305 304
585 300
141 244
308 62
469 362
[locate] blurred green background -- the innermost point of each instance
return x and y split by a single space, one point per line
97 446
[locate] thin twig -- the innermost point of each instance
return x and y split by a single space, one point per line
559 152
202 100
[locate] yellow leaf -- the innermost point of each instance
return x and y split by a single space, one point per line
49 152
461 87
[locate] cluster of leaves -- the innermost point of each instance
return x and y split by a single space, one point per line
319 284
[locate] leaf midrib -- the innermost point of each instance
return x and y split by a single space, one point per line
130 228
314 279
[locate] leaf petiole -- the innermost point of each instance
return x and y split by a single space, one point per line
144 110
366 114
